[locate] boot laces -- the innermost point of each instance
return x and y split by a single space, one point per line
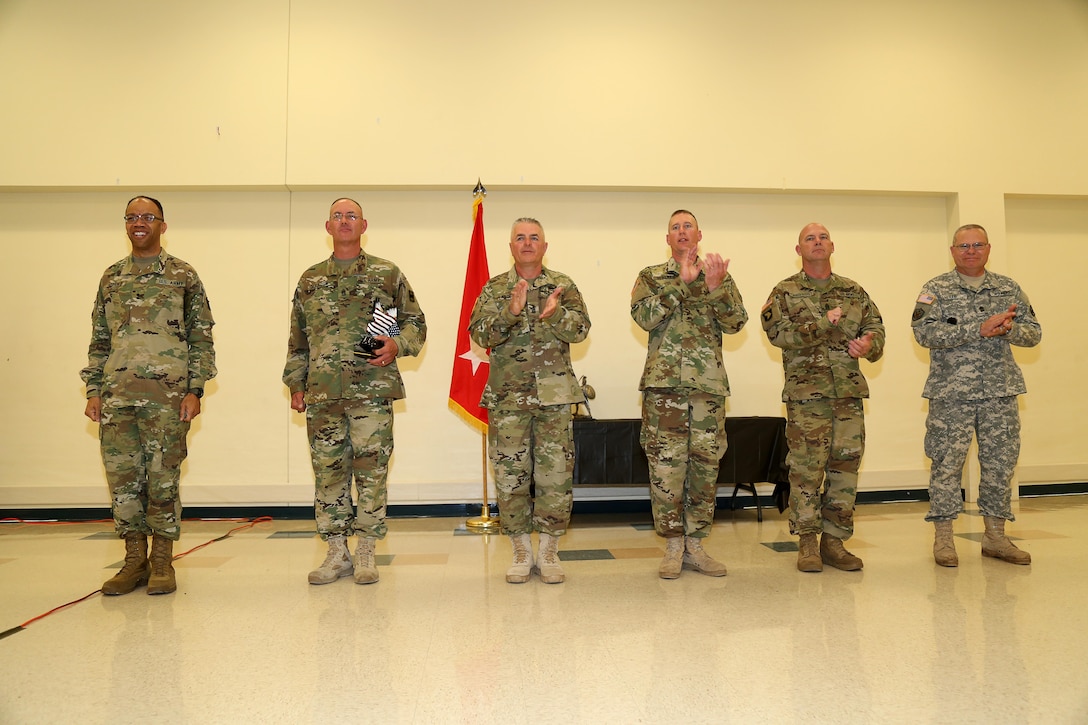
366 553
332 558
160 561
521 553
550 555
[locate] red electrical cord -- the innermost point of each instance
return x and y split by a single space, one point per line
250 523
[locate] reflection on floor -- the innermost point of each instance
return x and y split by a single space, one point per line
442 638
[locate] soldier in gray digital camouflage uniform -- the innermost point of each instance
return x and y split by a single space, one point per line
529 316
686 305
969 318
824 323
150 355
347 392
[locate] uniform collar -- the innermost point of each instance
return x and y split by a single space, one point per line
542 278
986 283
156 266
357 266
832 281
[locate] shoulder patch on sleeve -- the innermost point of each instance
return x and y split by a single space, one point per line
766 304
926 299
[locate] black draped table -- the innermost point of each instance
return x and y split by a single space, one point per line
607 452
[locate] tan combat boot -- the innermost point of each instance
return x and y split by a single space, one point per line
674 558
834 553
519 571
944 547
162 579
695 557
366 568
997 545
337 562
135 571
808 554
547 563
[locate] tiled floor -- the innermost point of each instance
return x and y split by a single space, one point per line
442 637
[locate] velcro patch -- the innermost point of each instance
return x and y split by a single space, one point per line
926 299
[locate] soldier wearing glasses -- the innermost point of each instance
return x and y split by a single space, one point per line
529 317
352 316
150 355
969 319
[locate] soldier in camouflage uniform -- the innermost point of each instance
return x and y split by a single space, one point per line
529 316
686 305
969 319
150 355
348 398
824 324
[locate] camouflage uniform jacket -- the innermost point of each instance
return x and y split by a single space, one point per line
815 355
963 365
151 334
530 357
331 308
686 323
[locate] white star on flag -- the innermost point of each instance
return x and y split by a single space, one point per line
475 355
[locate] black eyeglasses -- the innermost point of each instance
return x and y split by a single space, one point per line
149 218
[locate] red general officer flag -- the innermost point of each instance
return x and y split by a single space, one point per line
470 361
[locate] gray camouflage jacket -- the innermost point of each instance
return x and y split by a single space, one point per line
963 365
815 358
530 358
686 323
329 315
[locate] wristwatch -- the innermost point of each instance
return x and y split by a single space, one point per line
198 392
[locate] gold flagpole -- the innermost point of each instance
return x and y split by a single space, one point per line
482 524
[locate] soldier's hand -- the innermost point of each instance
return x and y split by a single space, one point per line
298 402
833 316
859 347
716 268
385 354
551 304
690 266
518 296
94 409
999 324
190 407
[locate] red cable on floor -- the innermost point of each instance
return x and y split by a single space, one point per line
24 625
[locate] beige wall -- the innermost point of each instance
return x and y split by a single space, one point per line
891 123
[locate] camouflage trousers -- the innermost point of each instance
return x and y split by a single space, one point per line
683 434
826 438
350 438
142 451
949 427
533 447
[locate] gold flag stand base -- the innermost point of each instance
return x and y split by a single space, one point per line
483 524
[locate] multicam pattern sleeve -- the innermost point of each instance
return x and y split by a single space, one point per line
815 353
685 323
330 311
530 362
151 334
